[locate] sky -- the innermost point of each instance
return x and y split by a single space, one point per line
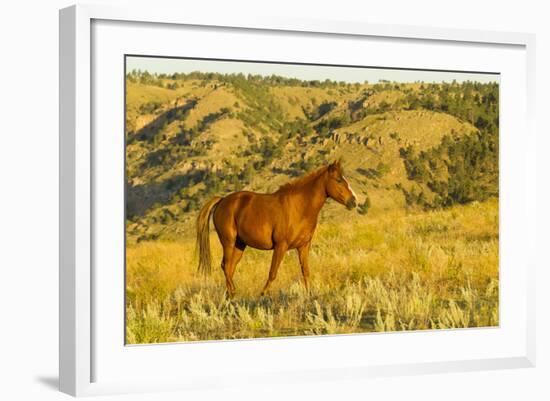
302 72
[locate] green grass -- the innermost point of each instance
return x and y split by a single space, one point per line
394 271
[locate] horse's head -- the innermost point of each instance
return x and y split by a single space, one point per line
338 187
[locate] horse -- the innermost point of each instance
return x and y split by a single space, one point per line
279 221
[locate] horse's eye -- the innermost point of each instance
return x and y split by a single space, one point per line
338 180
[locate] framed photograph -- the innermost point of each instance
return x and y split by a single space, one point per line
278 199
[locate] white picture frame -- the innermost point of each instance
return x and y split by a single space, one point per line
78 370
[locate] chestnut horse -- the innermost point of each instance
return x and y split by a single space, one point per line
283 220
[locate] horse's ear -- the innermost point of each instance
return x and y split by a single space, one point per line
336 165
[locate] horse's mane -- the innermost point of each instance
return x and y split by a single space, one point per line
300 181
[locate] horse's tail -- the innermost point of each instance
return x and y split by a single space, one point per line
203 235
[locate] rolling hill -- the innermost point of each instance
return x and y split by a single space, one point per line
192 136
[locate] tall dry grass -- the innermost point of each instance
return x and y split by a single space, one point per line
397 271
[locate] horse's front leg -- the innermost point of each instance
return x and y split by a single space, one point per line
303 255
278 254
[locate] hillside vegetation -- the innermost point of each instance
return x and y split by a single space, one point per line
421 251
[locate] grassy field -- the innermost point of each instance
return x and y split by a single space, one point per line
392 271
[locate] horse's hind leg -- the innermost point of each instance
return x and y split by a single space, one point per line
234 254
227 233
238 251
228 270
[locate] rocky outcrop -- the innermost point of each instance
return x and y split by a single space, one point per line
351 138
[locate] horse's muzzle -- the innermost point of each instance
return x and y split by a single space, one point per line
351 204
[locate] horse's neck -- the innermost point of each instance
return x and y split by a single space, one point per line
313 196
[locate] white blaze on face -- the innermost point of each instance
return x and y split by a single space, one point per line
350 188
